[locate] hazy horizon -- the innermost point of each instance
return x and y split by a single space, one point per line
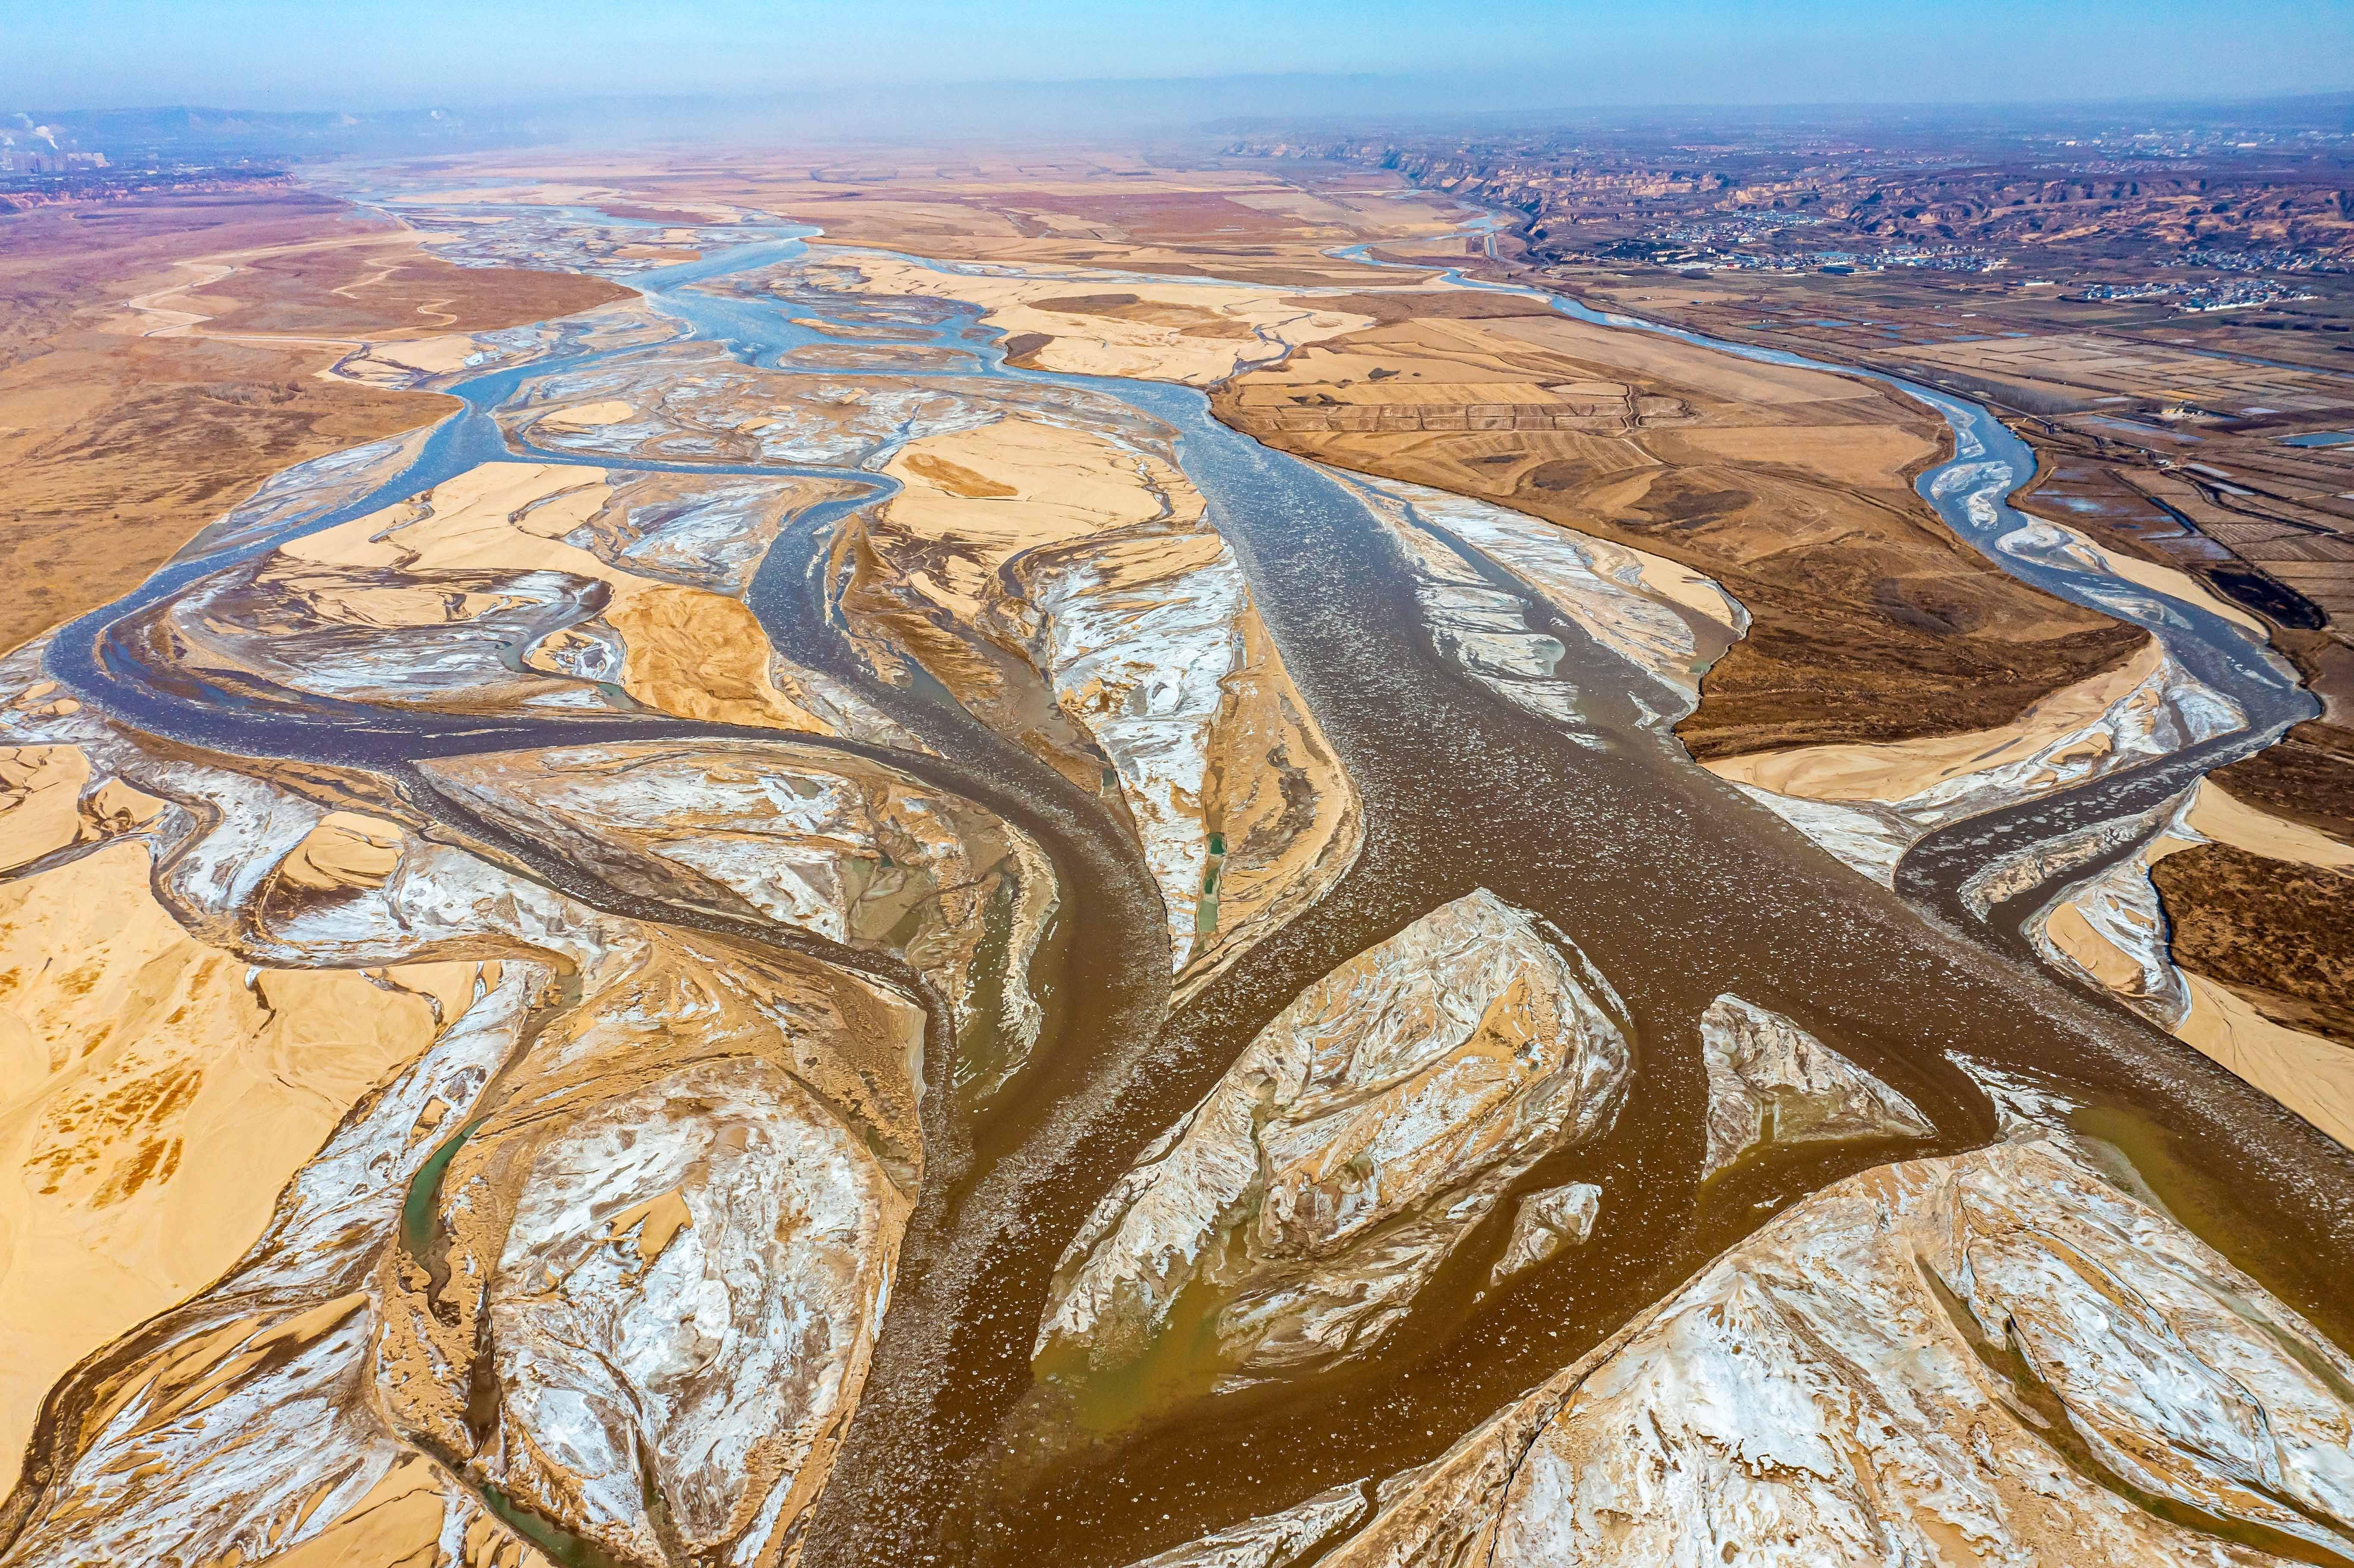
1394 56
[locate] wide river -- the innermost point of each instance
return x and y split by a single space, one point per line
1676 886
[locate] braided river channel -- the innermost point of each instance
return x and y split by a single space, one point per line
1676 886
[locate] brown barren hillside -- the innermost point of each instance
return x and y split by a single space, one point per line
123 431
1793 488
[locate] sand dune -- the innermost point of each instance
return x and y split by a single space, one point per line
160 1092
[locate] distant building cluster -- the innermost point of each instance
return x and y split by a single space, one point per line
2118 293
43 159
1743 243
1942 258
2136 168
2238 295
1933 258
2274 259
29 149
1746 229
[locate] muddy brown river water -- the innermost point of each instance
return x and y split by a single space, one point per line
1676 886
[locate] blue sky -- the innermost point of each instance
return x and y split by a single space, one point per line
375 54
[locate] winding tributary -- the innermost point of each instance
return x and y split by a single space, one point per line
1677 886
1970 491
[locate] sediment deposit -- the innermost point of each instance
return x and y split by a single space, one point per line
822 843
102 417
668 1248
730 1271
1769 1081
1097 322
1994 1357
1867 804
503 590
1789 487
1544 1223
798 936
2278 913
1664 622
1287 1223
1066 587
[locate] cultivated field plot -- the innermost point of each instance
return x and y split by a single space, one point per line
2105 364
